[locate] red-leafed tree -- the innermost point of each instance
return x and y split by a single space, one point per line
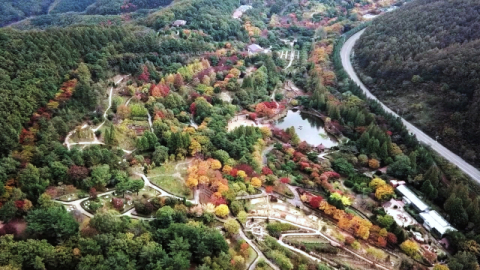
164 89
19 204
332 174
77 173
27 137
270 104
315 201
246 168
382 242
252 116
391 238
93 193
269 189
117 203
349 240
304 165
178 81
9 228
145 76
234 172
193 107
285 180
266 171
218 200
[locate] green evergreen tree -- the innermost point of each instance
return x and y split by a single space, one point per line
413 161
364 140
360 120
473 211
383 151
429 190
433 175
458 215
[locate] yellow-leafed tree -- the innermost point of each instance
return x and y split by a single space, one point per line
222 210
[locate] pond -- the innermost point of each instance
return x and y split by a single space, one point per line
309 128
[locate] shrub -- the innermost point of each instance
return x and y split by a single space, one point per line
276 229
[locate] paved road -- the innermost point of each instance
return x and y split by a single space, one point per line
421 136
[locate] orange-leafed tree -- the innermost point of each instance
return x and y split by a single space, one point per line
373 164
191 182
123 111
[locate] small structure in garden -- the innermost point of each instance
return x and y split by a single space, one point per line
254 49
240 10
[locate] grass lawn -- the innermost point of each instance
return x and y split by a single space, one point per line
125 140
307 239
172 185
170 168
167 168
252 255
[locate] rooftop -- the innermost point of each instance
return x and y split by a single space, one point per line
179 22
407 193
435 220
255 48
244 8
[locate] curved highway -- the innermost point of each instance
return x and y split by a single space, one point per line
421 136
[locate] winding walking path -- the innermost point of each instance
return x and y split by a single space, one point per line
313 233
345 53
95 139
78 206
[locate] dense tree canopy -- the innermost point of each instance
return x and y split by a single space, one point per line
423 60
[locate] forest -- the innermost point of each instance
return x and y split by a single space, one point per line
15 10
422 61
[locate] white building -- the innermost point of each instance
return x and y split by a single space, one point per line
409 198
244 8
254 49
179 23
433 221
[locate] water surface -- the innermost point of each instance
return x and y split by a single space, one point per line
309 128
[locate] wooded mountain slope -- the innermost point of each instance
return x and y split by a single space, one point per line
16 10
423 61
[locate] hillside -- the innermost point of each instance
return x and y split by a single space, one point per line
201 135
422 60
15 10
